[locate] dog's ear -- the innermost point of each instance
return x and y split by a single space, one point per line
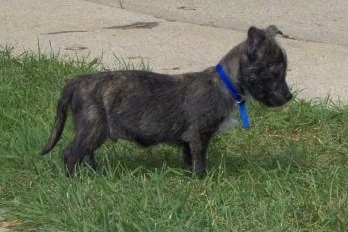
272 31
255 40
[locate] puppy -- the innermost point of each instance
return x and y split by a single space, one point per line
184 110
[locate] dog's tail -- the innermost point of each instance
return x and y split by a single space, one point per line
61 115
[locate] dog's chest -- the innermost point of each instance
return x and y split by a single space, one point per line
228 123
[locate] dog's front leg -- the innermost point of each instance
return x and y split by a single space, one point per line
187 157
197 150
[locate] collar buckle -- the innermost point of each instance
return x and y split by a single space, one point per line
235 94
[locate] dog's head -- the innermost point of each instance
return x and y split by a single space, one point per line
263 67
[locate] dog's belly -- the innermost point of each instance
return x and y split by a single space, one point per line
146 134
229 122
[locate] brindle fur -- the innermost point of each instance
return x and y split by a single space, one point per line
184 110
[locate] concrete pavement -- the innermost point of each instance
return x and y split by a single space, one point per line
189 35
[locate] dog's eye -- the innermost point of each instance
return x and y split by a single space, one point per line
277 70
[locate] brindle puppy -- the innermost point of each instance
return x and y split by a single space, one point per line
184 110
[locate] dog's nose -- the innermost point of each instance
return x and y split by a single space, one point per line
289 96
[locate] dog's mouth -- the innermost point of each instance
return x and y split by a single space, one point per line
277 100
274 99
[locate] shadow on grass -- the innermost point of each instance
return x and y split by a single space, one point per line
127 157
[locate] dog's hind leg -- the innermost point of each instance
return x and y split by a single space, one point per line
81 150
90 133
89 160
70 158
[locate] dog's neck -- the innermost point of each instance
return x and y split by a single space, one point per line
230 63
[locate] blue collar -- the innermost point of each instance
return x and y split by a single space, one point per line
235 94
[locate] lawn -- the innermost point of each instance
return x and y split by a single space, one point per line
289 172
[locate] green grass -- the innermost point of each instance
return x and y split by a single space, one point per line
289 172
